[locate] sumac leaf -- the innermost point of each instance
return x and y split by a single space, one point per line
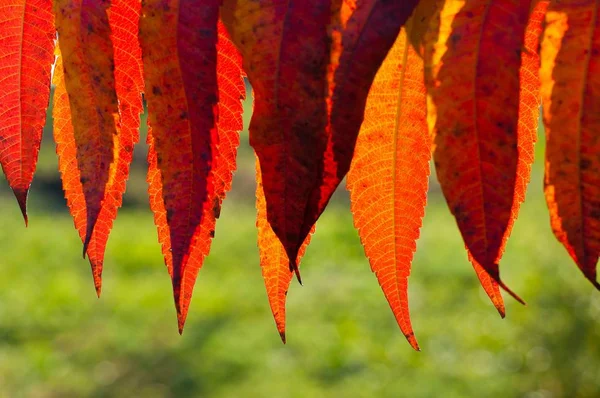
570 76
26 56
123 16
285 50
274 262
367 35
473 83
88 62
389 176
195 113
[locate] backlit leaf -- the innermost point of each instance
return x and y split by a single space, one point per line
366 37
274 261
88 62
123 17
390 172
473 111
285 49
194 135
26 55
570 76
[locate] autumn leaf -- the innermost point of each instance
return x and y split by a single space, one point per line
366 37
389 175
570 76
274 261
26 57
123 16
194 135
473 81
287 71
88 62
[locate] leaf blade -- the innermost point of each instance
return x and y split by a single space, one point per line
569 85
469 110
26 54
389 176
288 75
88 63
123 17
184 249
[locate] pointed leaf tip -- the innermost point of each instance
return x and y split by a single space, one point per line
21 195
509 291
282 335
412 340
294 267
181 322
97 275
594 282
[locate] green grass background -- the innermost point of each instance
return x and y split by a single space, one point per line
58 340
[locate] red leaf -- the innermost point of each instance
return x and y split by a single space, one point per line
287 70
123 17
26 55
570 74
88 62
183 104
473 83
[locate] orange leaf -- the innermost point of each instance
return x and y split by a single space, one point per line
123 17
26 55
473 83
192 152
274 261
88 62
285 50
389 175
367 35
570 76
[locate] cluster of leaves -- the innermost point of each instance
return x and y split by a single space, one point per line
363 88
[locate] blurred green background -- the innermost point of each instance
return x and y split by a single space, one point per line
58 340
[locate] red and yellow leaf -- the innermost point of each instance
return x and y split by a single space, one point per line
26 56
389 175
274 261
473 83
123 17
285 49
570 76
88 63
194 131
367 35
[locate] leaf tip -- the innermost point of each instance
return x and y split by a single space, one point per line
507 290
21 195
294 267
181 317
501 310
96 274
594 282
282 335
412 340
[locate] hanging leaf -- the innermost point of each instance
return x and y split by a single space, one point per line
88 62
390 172
366 37
570 76
26 54
274 261
288 72
123 17
473 81
193 124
